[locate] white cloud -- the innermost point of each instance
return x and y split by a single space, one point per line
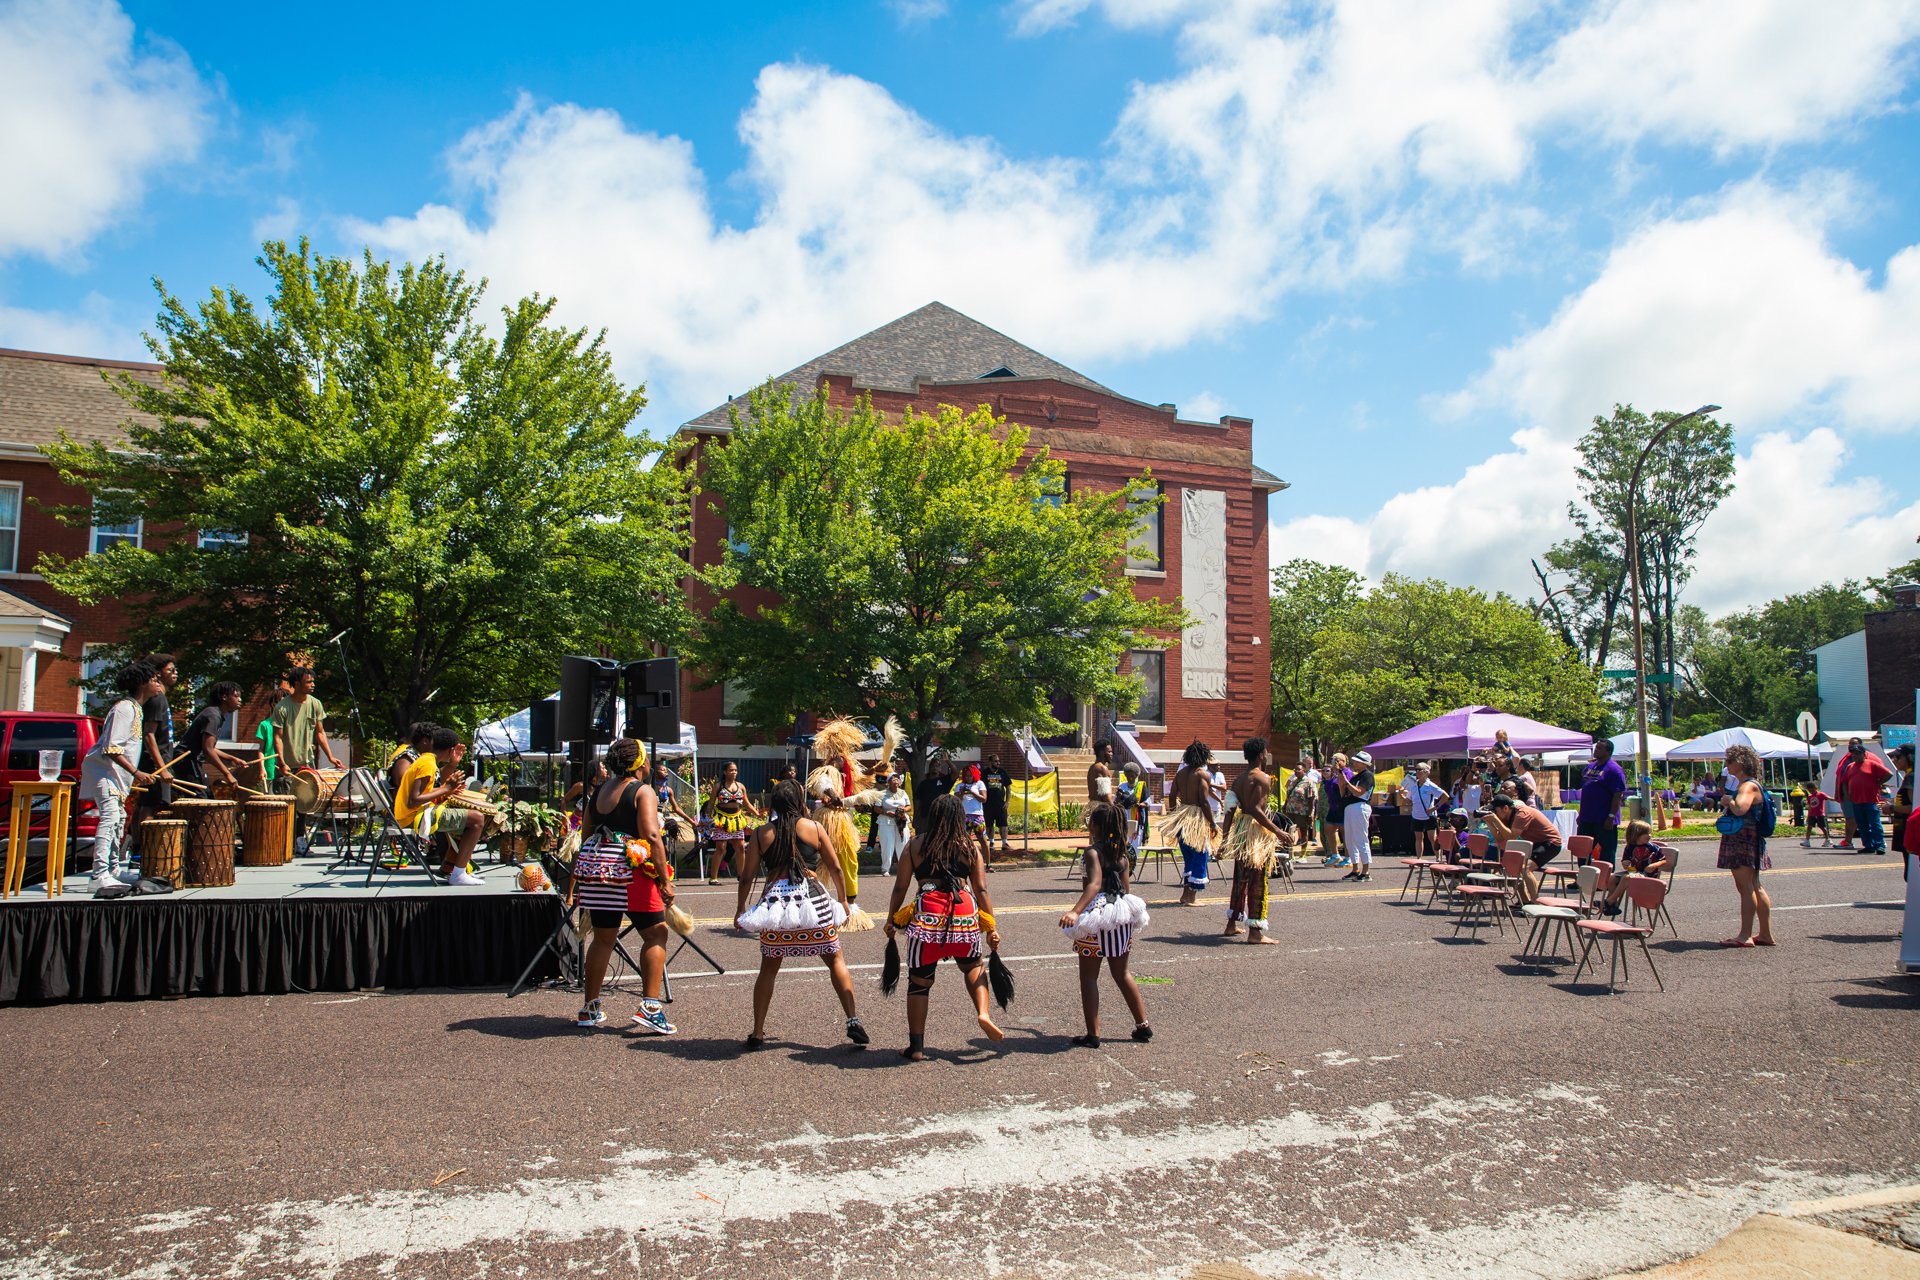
1203 407
1792 520
86 119
909 13
92 330
1296 146
1742 303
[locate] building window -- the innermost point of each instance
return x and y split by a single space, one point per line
1151 666
732 694
94 663
108 536
9 528
1055 490
1147 549
221 540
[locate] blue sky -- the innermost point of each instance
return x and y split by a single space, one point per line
1420 245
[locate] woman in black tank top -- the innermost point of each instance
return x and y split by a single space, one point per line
620 810
802 909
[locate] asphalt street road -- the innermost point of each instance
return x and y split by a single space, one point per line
1369 1098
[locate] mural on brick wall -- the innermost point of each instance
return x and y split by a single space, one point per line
1203 589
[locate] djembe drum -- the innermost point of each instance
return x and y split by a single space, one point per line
163 850
210 833
264 828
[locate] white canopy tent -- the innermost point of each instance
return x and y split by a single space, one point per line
512 734
1766 745
1626 746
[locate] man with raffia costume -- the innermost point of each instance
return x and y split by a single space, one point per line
1189 824
837 786
1254 842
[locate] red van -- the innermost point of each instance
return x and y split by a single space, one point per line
23 736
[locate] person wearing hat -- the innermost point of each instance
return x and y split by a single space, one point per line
1508 819
1358 817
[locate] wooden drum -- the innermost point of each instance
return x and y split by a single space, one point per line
265 828
210 833
163 850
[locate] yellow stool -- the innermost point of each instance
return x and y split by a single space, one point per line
59 797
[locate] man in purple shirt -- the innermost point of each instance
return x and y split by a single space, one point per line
1602 789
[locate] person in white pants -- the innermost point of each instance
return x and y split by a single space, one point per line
890 816
1359 813
108 774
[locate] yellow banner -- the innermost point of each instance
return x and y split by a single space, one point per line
1039 799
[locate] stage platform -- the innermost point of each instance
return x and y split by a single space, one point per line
298 927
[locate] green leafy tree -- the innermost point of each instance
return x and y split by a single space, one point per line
467 507
1412 649
1308 596
921 569
1684 479
1756 667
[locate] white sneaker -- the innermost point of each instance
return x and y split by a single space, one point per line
462 878
99 882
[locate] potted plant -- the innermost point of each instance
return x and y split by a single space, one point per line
532 826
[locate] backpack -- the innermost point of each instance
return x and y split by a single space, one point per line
1768 817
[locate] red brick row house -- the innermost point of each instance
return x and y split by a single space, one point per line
47 639
1208 546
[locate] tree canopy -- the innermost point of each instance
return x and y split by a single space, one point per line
1684 479
1308 597
361 454
1410 649
921 569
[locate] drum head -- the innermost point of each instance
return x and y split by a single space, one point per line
305 786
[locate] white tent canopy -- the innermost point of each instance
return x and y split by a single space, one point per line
1626 746
514 734
1768 746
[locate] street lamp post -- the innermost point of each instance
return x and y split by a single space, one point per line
1643 765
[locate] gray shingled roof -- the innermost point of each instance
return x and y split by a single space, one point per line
1265 479
13 604
934 344
41 394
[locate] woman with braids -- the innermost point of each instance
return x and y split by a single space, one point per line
1102 923
622 869
732 815
951 917
799 915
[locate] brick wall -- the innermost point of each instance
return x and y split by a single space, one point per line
1893 665
1104 441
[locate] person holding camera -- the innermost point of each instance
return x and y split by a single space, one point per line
1508 819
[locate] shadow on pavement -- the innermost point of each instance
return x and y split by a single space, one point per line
1679 946
1856 938
1882 993
528 1026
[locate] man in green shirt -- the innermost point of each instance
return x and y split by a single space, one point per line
299 731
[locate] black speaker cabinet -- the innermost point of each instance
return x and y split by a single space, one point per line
589 688
543 734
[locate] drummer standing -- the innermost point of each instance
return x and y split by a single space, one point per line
156 715
205 760
299 730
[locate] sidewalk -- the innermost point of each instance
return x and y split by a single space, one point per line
1839 1238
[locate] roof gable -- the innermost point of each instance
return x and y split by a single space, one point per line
42 394
935 344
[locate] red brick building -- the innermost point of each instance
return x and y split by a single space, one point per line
45 636
1208 547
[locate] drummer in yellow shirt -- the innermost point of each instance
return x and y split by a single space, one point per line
420 805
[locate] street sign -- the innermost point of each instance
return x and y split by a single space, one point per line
1663 677
1808 727
1611 674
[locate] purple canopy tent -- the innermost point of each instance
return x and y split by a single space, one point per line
1469 729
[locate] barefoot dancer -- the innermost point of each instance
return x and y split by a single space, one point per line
1102 923
951 917
1253 843
802 910
1190 822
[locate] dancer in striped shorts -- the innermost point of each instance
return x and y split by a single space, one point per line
1102 923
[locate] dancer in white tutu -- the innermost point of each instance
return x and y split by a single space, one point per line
1102 923
804 905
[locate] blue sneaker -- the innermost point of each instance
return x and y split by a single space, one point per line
652 1019
1338 862
591 1016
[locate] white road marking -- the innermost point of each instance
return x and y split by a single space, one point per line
1823 906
